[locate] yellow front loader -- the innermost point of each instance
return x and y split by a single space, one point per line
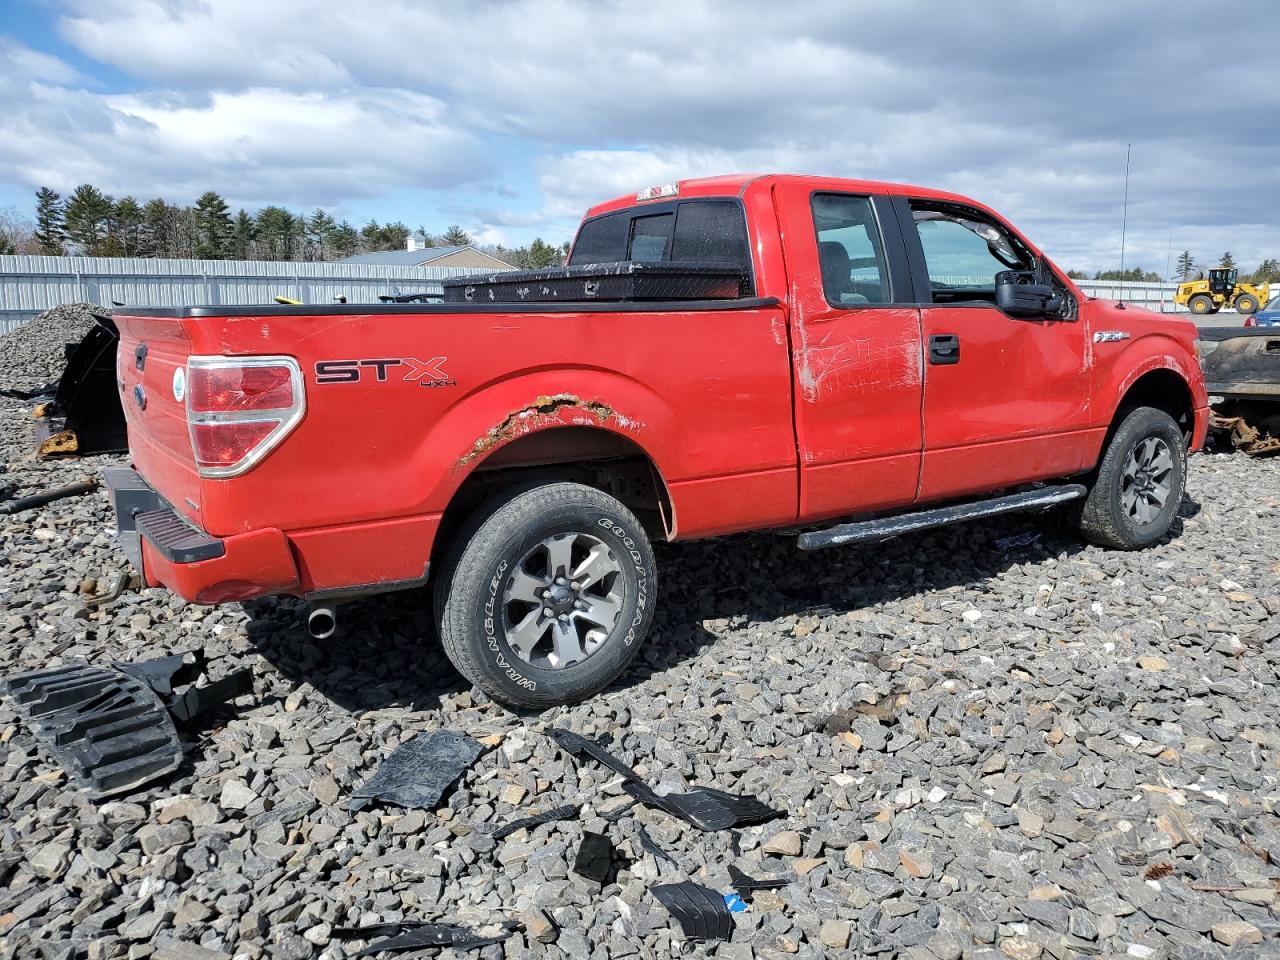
1221 289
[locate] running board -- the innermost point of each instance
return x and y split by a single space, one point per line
886 528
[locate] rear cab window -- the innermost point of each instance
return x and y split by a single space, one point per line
711 230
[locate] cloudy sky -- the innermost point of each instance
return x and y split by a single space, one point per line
511 117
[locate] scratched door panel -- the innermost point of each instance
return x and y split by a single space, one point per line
858 409
857 352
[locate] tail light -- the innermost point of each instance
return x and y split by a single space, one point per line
239 409
1250 321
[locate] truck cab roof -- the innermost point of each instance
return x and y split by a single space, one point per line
736 184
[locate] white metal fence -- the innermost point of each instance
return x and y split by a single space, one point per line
30 285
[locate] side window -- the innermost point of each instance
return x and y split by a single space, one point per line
651 238
963 254
849 250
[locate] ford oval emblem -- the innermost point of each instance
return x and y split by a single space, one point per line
179 384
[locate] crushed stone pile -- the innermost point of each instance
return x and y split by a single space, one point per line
34 354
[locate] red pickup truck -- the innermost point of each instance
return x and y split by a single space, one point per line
851 359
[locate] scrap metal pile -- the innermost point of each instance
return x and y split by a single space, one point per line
1242 375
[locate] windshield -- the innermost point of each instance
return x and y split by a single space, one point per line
1274 305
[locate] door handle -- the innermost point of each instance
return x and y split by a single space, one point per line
944 348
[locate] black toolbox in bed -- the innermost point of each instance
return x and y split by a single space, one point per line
625 280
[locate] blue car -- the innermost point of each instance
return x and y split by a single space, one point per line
1268 316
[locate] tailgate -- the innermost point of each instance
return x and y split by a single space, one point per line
152 392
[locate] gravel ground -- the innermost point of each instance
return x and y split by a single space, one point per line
990 742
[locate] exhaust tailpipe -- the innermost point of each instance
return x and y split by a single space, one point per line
322 620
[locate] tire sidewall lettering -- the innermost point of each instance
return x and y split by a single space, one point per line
489 626
642 576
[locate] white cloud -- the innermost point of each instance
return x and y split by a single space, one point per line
256 146
1026 106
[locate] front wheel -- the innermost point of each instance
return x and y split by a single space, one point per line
1139 483
1200 304
1247 303
547 595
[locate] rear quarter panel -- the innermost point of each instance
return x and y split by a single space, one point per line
705 393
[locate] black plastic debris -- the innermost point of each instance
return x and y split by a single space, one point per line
746 886
109 731
195 701
568 812
704 807
594 859
651 846
417 935
163 674
701 912
166 674
579 745
419 771
112 729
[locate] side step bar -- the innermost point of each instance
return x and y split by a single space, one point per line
886 528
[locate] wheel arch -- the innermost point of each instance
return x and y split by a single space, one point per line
592 455
1163 387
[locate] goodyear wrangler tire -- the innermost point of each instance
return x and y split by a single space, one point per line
1139 483
547 595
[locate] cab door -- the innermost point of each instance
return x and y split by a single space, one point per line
1005 398
856 354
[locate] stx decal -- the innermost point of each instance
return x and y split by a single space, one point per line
426 373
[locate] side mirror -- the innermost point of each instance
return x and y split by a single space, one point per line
1018 295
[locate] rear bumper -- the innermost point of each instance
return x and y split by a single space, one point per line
168 551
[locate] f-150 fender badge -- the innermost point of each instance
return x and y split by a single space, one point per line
426 373
1110 336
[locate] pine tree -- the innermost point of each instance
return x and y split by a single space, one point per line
243 234
345 240
50 232
1186 265
213 227
276 233
319 233
155 232
1268 271
455 236
1227 260
126 226
88 219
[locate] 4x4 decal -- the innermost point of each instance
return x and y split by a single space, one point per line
426 373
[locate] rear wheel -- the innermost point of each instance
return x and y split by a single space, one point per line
1200 304
1247 303
1139 483
547 594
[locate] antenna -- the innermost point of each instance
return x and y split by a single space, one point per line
1124 219
1168 270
